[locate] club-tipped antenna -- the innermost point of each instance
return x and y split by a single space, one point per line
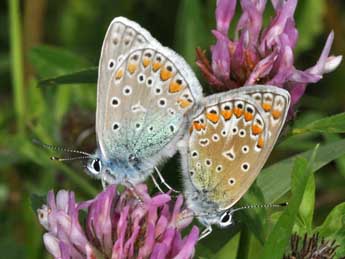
279 205
59 149
62 159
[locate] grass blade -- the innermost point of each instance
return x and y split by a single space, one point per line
274 181
331 124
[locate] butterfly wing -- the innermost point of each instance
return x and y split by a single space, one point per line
149 93
122 36
230 140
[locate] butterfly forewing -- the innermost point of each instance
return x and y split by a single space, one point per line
149 94
230 140
122 36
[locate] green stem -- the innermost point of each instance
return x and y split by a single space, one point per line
17 63
244 245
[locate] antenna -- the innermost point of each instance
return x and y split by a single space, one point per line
284 204
85 155
61 159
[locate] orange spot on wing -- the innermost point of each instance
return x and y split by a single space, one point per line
198 126
260 143
256 129
267 107
156 66
131 68
248 116
174 87
183 103
165 74
227 114
119 74
146 62
212 117
238 112
276 114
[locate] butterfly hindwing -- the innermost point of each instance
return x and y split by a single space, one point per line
149 93
230 140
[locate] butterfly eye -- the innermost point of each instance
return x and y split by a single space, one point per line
225 219
95 167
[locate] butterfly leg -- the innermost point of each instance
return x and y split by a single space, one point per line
104 183
206 232
131 187
156 183
164 182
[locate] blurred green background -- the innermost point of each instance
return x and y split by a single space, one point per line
42 39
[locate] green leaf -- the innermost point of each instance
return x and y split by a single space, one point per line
334 221
332 124
36 201
280 235
84 76
51 61
309 20
274 181
306 210
340 162
333 228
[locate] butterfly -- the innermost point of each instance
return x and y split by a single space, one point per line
230 138
144 93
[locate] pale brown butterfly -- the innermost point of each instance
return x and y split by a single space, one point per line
230 139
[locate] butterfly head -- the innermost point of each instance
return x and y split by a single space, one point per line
117 169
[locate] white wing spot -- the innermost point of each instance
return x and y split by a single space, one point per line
231 181
242 133
171 111
150 128
204 142
138 108
111 64
162 102
172 128
215 137
116 126
234 130
208 162
194 154
245 149
230 155
141 78
158 91
127 90
224 133
115 102
219 168
149 81
245 167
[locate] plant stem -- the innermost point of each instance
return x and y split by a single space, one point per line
17 63
243 247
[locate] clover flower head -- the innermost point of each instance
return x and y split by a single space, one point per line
116 225
260 55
